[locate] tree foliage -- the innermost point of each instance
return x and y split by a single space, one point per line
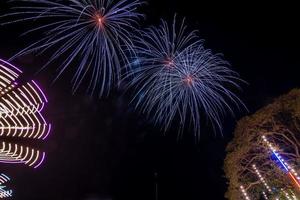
280 123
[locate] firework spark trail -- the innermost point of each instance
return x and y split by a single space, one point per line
95 33
177 76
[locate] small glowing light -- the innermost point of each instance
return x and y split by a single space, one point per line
244 192
169 63
188 80
100 20
293 195
265 196
286 194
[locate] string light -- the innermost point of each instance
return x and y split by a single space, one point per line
289 170
261 178
293 195
244 192
265 196
21 107
286 194
4 193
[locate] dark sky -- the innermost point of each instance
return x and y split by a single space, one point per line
102 149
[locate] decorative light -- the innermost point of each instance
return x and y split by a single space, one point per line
244 192
4 193
261 178
286 194
21 107
265 196
293 195
289 170
13 154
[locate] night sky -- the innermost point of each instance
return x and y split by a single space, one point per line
103 149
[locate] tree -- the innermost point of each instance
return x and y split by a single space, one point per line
279 122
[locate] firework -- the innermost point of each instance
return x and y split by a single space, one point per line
177 76
95 36
4 193
21 107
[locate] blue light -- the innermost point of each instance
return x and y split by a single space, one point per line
136 62
285 167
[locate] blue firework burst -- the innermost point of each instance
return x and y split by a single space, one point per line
179 79
93 35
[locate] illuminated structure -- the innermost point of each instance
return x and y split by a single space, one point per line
4 193
286 167
21 106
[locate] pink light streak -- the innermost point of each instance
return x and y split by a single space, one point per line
49 130
40 90
42 160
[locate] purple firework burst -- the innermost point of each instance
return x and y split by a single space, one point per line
178 78
94 35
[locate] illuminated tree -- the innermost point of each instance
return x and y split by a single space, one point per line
4 193
21 106
258 141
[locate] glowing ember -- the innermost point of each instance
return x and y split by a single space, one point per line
169 63
100 20
188 80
